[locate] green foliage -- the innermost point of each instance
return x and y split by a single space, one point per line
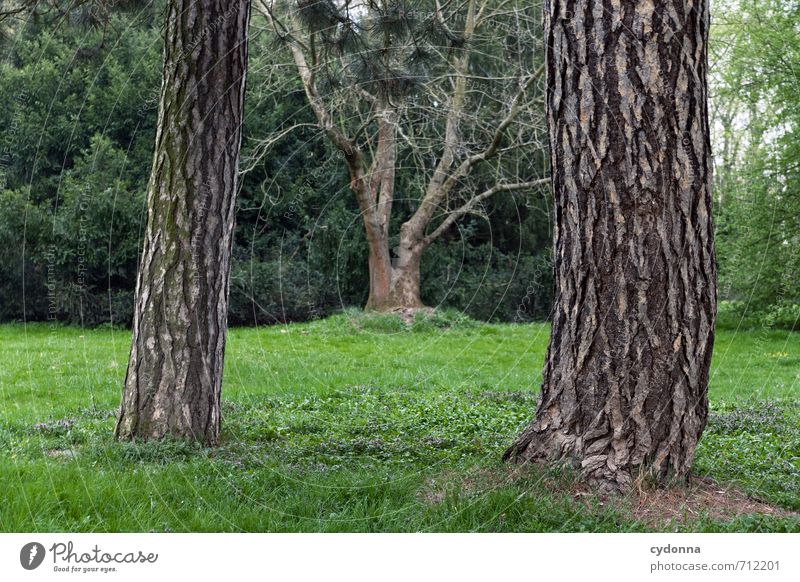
333 426
76 139
731 315
385 48
487 283
744 438
355 320
758 183
442 319
75 161
78 126
784 314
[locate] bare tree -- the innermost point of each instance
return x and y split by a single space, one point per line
625 382
445 92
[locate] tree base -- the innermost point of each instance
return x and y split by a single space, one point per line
147 431
401 307
554 446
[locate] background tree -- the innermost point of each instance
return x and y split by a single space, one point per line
174 377
624 389
444 93
77 137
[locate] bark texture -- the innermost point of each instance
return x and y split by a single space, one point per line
173 383
624 389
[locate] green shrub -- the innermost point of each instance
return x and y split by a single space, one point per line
783 315
740 315
425 321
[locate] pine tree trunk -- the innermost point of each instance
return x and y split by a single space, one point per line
174 377
624 389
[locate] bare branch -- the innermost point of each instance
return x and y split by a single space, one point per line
264 146
439 187
469 206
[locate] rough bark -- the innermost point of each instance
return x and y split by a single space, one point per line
624 391
173 383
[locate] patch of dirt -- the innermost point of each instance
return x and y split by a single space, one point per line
702 497
653 506
431 495
658 507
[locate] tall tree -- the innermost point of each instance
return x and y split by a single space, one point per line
624 390
444 90
174 377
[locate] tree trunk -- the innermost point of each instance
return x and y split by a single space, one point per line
394 283
174 377
405 279
624 389
379 262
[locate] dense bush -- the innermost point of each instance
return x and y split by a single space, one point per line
75 158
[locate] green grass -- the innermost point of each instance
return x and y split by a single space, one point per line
356 424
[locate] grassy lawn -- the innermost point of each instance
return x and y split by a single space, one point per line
339 425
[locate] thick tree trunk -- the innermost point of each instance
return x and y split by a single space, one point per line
174 378
624 389
405 272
